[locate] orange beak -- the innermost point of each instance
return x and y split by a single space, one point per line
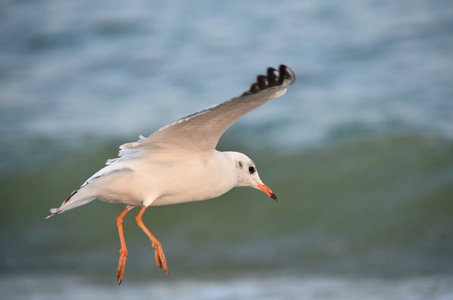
267 191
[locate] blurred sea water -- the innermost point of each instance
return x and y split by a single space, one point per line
359 151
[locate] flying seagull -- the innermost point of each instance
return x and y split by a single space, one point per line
179 163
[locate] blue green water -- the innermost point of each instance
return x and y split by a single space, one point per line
377 208
359 151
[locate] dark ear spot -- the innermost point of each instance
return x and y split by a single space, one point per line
240 164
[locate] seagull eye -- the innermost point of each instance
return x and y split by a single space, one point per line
252 169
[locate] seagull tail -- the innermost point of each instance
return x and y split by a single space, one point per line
79 197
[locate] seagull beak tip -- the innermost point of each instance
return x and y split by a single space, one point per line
267 191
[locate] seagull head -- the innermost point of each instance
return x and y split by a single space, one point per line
248 174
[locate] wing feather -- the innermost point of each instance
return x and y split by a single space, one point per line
201 131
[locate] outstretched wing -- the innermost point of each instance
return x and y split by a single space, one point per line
201 131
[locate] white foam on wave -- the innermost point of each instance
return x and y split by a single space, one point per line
250 286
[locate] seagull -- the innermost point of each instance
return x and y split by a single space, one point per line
179 163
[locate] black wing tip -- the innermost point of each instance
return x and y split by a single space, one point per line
282 76
287 74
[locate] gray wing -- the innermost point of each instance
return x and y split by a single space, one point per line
202 130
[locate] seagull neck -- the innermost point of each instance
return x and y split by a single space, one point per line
232 162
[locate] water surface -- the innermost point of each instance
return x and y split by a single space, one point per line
359 151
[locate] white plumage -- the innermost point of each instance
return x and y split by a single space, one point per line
179 162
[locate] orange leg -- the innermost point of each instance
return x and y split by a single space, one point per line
123 251
157 246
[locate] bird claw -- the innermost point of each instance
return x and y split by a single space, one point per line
121 265
160 257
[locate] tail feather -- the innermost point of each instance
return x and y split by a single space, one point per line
79 197
88 191
53 212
